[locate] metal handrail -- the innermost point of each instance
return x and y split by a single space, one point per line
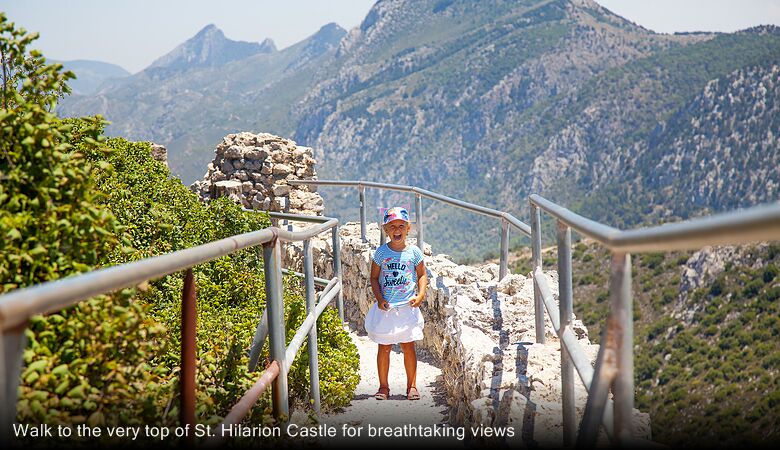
518 224
18 306
575 352
242 408
614 364
317 280
615 361
736 227
335 243
507 219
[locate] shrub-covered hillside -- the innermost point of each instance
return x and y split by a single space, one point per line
706 341
71 201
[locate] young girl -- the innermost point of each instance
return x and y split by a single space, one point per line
395 317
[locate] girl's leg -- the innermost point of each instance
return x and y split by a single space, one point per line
410 363
383 366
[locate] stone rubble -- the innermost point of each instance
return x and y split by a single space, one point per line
160 153
254 169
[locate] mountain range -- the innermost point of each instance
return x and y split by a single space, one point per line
91 74
205 88
483 101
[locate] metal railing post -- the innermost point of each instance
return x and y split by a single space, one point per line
382 236
565 307
622 308
261 333
189 317
273 294
418 212
287 210
504 258
12 344
362 192
337 270
598 394
314 371
536 252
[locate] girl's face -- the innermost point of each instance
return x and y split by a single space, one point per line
397 230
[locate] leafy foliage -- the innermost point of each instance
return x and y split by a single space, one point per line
89 360
92 363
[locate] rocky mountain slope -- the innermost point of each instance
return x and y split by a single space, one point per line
560 98
685 133
720 150
488 102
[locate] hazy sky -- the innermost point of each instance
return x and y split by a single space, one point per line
133 33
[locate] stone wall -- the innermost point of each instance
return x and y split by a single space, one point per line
253 170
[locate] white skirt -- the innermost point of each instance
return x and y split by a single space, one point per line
394 326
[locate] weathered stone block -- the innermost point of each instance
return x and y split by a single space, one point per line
282 169
280 190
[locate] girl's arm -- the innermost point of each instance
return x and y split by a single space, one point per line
422 285
381 303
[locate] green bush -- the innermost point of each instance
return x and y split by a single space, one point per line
717 286
770 273
668 295
93 362
669 372
231 290
752 289
652 260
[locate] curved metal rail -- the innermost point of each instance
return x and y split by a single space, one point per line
506 219
615 365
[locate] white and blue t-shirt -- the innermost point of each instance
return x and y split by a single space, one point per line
398 273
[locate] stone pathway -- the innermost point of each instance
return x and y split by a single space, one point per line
371 415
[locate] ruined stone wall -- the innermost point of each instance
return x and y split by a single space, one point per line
253 170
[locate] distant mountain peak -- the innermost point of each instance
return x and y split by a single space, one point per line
330 34
268 46
327 38
210 48
330 28
210 29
